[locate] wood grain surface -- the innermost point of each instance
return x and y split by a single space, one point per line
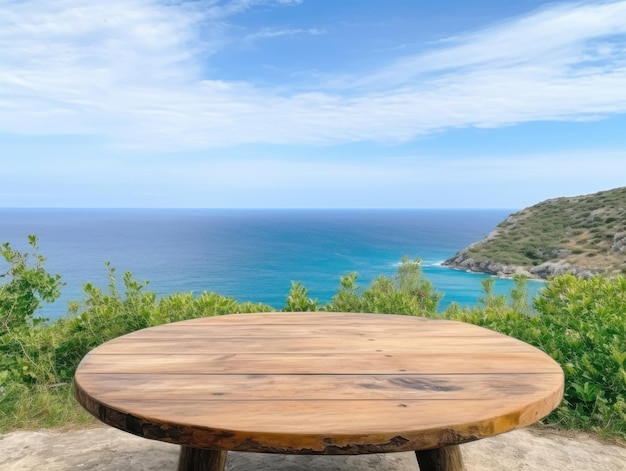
317 383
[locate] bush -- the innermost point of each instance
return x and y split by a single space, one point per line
24 349
298 299
39 360
581 324
407 293
28 285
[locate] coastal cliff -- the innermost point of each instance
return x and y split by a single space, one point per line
581 235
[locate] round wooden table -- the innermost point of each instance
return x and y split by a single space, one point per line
318 383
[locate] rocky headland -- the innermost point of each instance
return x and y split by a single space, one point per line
581 235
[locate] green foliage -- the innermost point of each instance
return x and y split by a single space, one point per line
28 285
582 325
517 301
41 406
406 293
298 299
347 298
38 361
24 348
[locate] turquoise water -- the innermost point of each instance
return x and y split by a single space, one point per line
251 255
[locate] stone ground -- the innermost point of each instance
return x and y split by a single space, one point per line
107 449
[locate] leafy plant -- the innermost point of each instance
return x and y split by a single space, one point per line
408 292
582 325
38 360
298 299
28 285
584 322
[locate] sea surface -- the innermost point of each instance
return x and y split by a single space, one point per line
250 255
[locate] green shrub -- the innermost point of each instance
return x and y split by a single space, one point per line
582 325
28 285
406 293
584 328
298 299
38 361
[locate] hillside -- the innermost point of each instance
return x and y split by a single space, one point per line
584 235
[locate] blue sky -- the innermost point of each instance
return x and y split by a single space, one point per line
310 103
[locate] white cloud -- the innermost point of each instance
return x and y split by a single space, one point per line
133 71
557 40
267 33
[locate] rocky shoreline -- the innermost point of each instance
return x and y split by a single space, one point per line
463 261
582 235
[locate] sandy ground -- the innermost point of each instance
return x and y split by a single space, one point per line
107 449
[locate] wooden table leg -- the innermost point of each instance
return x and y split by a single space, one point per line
198 459
447 458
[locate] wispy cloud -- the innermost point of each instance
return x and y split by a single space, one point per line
267 33
134 71
569 39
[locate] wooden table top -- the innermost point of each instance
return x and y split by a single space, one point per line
317 383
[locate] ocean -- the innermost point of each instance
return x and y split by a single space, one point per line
250 255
